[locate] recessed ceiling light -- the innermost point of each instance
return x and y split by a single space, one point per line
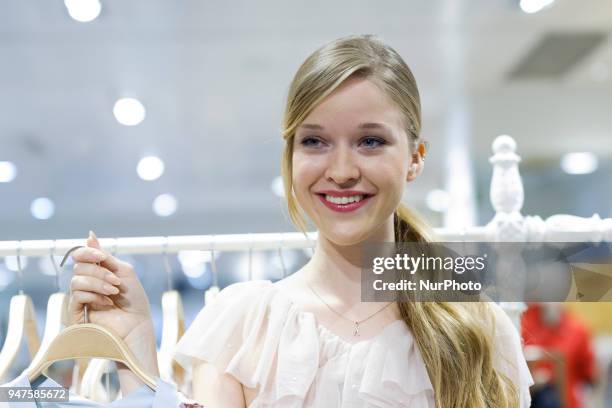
129 111
150 168
277 186
579 163
8 171
533 6
42 208
83 10
164 205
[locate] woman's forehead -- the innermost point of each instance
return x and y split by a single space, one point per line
355 102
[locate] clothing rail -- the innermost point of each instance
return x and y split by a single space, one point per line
172 244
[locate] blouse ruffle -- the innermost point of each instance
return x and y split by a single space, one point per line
254 332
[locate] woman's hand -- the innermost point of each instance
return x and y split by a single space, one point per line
111 290
116 300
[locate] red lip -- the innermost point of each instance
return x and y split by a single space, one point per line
344 207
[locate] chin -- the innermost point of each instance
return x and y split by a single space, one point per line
348 237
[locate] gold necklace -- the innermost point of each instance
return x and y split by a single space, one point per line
355 322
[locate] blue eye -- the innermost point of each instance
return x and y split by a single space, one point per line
376 140
307 139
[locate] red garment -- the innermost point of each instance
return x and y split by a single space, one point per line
571 338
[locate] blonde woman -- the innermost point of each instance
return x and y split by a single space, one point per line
352 142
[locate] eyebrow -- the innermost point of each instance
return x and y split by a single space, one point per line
311 126
367 125
371 125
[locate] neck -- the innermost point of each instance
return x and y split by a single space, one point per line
336 269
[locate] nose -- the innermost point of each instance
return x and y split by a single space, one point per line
342 166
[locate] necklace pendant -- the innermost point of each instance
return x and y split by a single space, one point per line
356 332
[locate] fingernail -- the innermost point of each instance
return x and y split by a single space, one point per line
112 278
110 288
108 301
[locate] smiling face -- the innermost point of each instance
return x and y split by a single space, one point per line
352 144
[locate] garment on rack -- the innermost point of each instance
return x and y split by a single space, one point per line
256 333
165 396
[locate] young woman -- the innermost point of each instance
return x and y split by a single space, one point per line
351 127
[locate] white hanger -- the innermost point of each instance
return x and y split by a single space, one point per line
92 387
57 314
22 323
87 340
173 327
212 292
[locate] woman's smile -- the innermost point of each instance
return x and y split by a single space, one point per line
344 201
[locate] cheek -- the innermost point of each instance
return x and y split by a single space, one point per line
388 170
305 171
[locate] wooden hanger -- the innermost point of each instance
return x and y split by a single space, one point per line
173 327
57 314
172 330
88 340
22 323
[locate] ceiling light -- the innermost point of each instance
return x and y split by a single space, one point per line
129 111
150 168
277 186
164 205
533 6
42 208
579 163
8 171
83 10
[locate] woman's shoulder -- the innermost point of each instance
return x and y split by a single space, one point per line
250 289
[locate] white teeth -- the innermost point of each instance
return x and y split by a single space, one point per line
343 200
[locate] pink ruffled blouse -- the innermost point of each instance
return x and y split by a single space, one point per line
255 332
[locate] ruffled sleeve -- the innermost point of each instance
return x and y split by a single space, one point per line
220 331
509 358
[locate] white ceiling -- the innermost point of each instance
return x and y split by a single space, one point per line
213 77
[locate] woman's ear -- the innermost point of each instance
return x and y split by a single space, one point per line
416 164
414 171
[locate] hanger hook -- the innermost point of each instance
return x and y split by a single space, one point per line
251 245
85 317
167 263
213 263
57 270
19 270
280 254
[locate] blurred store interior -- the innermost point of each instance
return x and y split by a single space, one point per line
149 118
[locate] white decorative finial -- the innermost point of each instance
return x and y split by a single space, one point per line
503 144
506 185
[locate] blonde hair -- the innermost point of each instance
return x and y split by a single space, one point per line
455 339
